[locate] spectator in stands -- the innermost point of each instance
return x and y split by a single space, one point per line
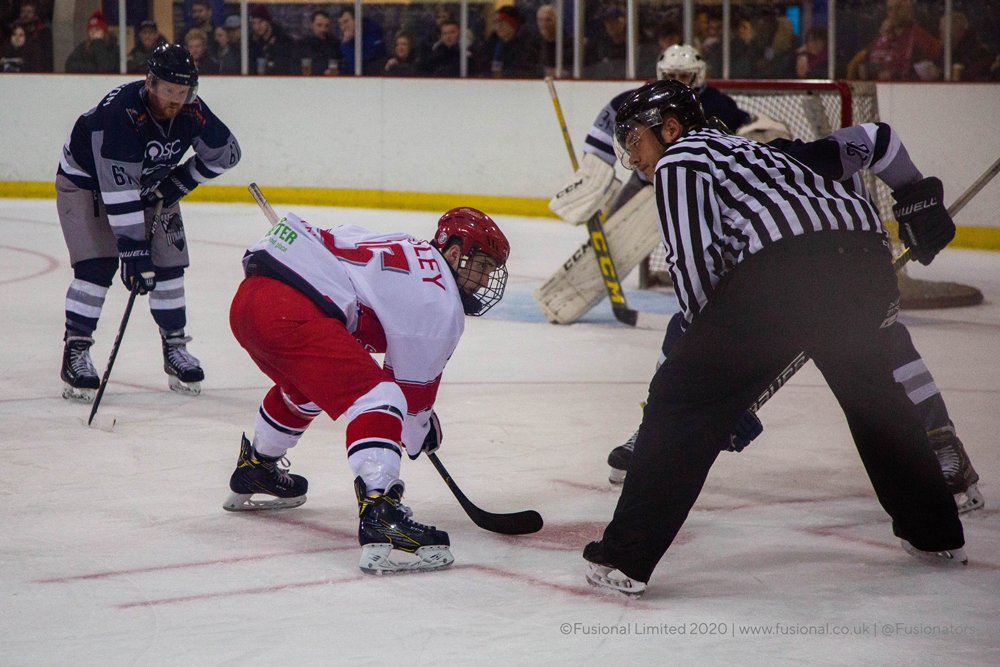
196 41
778 61
234 29
201 16
606 54
902 51
403 61
666 34
18 54
147 38
225 53
37 33
812 58
372 43
546 18
970 59
271 49
98 52
320 47
746 51
445 55
511 51
711 44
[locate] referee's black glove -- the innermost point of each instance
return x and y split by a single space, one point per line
924 224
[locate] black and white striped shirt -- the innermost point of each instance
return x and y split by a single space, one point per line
723 198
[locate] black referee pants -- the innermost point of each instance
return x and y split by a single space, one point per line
827 294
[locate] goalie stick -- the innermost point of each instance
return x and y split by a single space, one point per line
897 264
602 253
516 523
121 327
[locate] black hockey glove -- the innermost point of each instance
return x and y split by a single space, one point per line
136 265
924 224
747 428
170 189
432 441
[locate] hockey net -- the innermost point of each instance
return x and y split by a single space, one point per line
811 110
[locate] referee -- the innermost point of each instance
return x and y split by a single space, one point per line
768 259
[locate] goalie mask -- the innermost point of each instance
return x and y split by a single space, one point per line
683 63
644 110
481 274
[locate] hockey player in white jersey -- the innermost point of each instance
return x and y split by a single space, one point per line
630 227
314 306
843 156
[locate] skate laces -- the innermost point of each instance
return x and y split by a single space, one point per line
178 355
79 355
947 454
630 443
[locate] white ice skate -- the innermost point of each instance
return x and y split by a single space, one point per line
948 557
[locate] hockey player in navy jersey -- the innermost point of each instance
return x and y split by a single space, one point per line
122 161
314 306
842 156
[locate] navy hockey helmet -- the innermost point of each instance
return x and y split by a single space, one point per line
481 283
173 63
646 106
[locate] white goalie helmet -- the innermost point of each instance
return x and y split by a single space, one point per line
684 63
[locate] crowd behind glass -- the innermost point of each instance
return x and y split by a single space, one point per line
888 40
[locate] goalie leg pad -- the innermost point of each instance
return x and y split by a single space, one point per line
577 286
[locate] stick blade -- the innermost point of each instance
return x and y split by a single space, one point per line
516 523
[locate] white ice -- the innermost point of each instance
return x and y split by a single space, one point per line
116 550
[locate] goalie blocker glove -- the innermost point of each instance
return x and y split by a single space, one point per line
593 185
136 264
924 224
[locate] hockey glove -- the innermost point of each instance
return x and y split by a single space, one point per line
747 428
924 224
136 265
432 441
170 189
587 192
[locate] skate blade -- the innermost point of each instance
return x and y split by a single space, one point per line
946 558
382 559
78 394
616 476
186 388
244 502
612 580
970 500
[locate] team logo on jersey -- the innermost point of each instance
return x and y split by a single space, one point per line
173 230
855 150
157 152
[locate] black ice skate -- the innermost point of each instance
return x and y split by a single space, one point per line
961 477
948 557
619 459
183 370
385 527
605 576
78 370
256 474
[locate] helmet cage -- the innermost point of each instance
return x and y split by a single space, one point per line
483 256
493 283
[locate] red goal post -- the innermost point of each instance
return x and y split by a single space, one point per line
812 109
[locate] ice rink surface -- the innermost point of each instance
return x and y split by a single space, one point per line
116 549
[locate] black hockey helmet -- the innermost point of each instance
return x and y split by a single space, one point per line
173 63
646 106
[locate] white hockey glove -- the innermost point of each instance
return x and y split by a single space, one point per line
432 441
589 190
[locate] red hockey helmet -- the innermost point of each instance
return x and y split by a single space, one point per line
476 233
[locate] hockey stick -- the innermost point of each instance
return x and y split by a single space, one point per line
898 263
515 523
518 523
598 239
121 327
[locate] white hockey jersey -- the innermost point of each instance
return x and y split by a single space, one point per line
394 292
